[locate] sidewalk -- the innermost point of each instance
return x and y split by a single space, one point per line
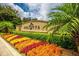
6 49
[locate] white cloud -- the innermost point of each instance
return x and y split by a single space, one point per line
34 8
20 13
44 11
39 10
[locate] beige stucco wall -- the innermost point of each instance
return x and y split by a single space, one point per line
25 26
18 27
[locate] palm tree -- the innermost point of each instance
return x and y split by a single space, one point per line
6 26
65 19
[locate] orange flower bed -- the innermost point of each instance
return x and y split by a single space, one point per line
32 47
45 50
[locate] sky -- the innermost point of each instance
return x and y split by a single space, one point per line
33 10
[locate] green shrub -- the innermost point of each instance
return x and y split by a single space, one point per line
39 36
64 41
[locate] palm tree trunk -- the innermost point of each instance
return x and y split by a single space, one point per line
76 40
6 30
77 43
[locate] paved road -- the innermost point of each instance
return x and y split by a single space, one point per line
6 49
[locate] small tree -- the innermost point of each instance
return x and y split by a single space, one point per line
8 14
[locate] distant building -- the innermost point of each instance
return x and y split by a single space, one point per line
32 25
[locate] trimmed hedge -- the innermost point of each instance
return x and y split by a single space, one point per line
33 35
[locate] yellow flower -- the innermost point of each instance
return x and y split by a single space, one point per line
18 40
6 36
11 37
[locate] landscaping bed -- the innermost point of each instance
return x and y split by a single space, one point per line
65 41
33 47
